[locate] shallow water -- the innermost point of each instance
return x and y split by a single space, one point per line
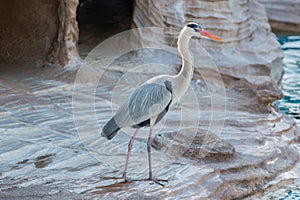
291 79
291 102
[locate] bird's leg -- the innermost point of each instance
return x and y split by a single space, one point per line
128 153
151 178
149 153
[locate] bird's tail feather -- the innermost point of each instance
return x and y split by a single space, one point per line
110 129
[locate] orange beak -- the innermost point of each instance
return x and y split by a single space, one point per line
209 35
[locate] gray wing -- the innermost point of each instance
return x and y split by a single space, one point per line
145 102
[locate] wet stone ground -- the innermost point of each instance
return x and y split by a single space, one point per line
42 156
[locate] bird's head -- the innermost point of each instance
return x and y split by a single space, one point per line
193 29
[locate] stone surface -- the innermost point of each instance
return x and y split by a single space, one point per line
41 144
283 15
38 192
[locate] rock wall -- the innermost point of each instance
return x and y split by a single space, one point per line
26 33
249 48
36 32
44 31
283 15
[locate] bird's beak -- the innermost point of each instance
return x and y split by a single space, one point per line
209 35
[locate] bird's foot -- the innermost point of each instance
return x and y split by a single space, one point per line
126 179
158 181
154 180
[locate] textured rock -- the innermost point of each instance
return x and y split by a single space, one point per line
65 47
203 146
26 33
249 48
265 90
38 32
283 15
39 192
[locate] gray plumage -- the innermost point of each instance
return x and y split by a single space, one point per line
110 129
148 101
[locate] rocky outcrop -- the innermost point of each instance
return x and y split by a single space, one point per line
283 15
263 88
204 145
249 48
64 49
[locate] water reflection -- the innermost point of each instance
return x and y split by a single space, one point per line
291 79
291 102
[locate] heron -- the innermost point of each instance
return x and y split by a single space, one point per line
150 102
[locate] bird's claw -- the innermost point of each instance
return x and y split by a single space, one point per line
126 179
157 181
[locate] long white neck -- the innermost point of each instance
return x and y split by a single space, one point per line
183 78
187 58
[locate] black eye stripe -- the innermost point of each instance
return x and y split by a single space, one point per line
194 26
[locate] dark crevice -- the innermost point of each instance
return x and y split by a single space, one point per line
100 19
